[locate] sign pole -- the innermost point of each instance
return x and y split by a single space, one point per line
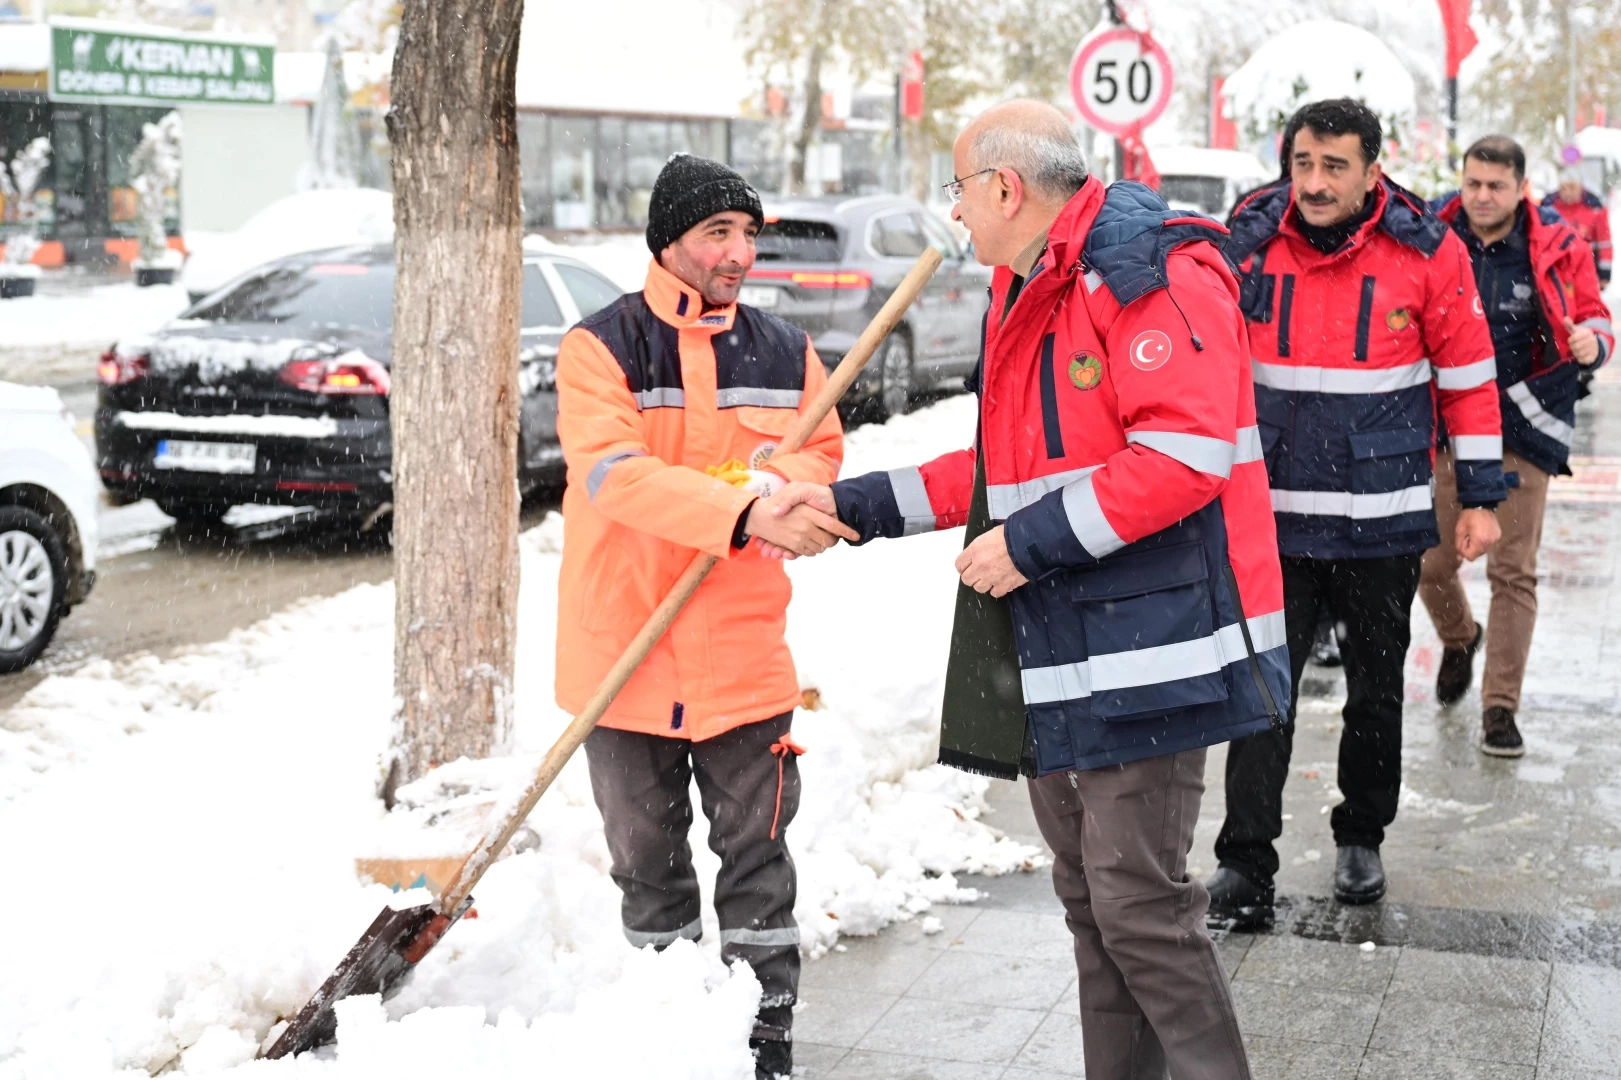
1117 19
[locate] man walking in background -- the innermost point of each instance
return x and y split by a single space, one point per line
658 394
1117 500
1362 317
1586 213
1548 323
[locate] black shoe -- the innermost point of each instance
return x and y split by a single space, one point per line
1359 875
1457 670
1237 902
772 1058
1500 736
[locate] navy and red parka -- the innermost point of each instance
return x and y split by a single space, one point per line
1539 404
1117 424
1591 219
1354 352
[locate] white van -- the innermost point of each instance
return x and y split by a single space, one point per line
48 498
1207 181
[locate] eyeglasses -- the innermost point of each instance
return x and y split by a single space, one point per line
954 189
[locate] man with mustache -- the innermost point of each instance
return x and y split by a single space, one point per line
1549 326
670 402
1363 319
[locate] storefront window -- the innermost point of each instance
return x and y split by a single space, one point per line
573 172
611 209
647 147
535 170
21 122
124 127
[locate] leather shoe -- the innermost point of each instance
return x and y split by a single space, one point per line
1359 875
1237 902
1457 670
1500 735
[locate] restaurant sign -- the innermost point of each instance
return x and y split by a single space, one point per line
89 63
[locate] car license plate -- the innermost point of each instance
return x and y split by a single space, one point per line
211 457
760 296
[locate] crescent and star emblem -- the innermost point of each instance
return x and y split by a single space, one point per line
1150 350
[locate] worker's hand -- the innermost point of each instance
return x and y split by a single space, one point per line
1583 342
789 524
801 492
986 566
1476 533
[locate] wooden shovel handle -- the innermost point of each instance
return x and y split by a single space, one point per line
501 831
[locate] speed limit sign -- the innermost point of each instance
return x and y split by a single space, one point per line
1121 81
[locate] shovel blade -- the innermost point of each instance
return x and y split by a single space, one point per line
379 963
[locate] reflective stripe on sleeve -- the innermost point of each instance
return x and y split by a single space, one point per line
1004 500
1597 325
1321 380
1477 447
1249 446
1467 376
661 397
786 935
1357 507
599 471
733 396
1160 664
912 500
1538 417
1086 519
1198 452
660 938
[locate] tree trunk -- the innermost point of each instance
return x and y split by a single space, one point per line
454 401
813 101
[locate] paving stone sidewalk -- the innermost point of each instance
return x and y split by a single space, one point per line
1496 954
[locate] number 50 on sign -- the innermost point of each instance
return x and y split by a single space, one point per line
1121 81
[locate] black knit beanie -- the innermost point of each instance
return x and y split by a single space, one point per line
690 189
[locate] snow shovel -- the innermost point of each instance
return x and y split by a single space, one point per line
398 939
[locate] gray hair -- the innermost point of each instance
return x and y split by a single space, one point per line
1044 154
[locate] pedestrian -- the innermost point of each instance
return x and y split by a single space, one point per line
657 394
1117 500
1363 318
1586 213
1548 325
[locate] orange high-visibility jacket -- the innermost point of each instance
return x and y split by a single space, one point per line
651 390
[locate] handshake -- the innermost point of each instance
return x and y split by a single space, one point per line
797 519
802 519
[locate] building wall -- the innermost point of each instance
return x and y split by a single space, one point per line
237 161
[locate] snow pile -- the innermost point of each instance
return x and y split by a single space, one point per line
621 257
217 802
1313 60
306 221
215 358
289 427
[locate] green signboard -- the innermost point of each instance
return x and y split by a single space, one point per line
111 66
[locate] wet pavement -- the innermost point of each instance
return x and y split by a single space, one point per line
1497 952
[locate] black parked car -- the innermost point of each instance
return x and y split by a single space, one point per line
827 264
274 389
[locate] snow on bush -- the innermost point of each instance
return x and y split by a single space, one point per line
183 835
156 166
1314 60
18 186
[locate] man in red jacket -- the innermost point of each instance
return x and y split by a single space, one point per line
1363 322
1548 324
1587 214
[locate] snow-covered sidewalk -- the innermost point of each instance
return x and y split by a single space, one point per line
181 838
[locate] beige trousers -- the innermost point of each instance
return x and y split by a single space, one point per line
1511 567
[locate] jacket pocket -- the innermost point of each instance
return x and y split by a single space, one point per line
604 610
1149 620
766 421
1391 482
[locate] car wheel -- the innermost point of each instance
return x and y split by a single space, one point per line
33 580
895 376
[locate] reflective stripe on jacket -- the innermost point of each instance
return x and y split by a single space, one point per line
650 391
1117 421
1353 353
1539 410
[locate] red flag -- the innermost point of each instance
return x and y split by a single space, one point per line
1461 39
912 88
1138 165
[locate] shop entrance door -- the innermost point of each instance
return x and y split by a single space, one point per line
78 160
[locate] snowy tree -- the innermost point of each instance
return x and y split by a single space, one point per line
156 166
334 160
1551 51
368 25
18 185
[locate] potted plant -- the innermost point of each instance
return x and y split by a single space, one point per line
156 165
18 184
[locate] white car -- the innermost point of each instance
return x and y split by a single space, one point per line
48 497
307 221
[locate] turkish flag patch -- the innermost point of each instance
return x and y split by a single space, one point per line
1150 350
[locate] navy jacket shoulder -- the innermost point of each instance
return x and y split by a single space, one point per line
1133 234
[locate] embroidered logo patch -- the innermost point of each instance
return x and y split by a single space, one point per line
1085 371
1399 320
759 455
1150 350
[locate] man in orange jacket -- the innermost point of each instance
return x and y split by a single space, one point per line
670 403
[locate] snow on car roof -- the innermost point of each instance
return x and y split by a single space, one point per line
1204 161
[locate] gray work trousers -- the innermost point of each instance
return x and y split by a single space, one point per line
1153 992
640 784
